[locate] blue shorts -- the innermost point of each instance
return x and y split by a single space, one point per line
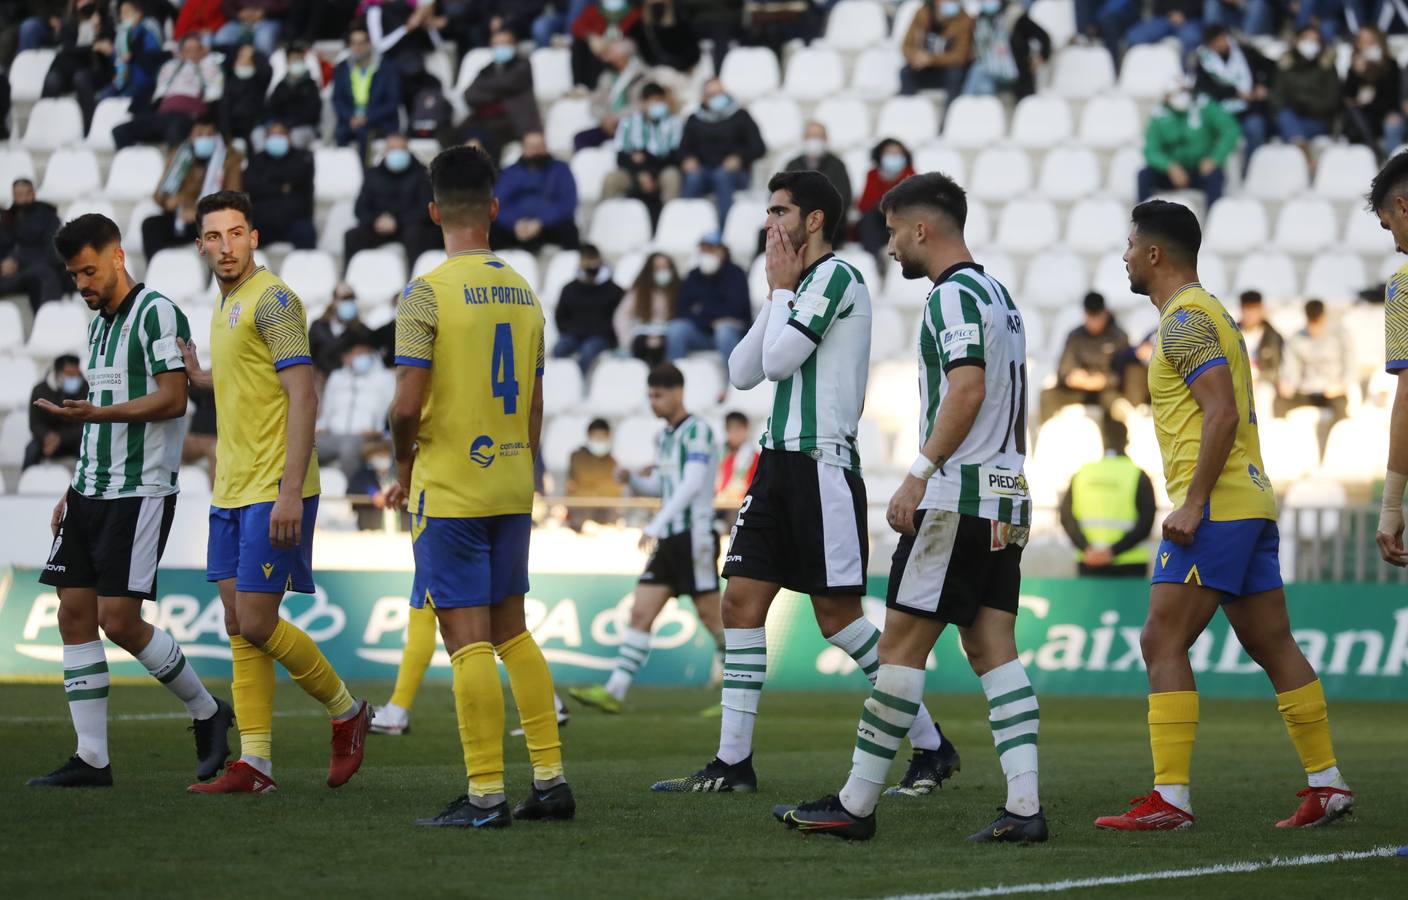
470 562
239 548
1239 558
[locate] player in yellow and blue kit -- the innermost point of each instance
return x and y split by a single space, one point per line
265 498
1221 546
466 423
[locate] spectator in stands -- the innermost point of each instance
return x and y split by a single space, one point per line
537 201
84 62
664 36
1008 50
591 472
718 21
647 152
937 48
598 24
1086 373
1167 18
366 95
550 22
54 438
502 107
738 465
41 27
585 310
643 317
393 205
297 101
1308 94
1265 346
1317 368
279 182
1108 511
615 92
892 164
352 409
1236 75
199 445
28 262
200 165
719 146
816 156
1255 17
187 88
1187 144
1373 93
137 56
256 21
402 33
243 106
712 310
199 16
339 323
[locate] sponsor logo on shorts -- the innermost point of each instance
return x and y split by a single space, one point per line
268 569
733 557
479 451
1163 560
50 567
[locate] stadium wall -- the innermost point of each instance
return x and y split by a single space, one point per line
1077 636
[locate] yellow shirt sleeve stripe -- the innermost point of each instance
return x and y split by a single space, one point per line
281 323
1190 343
417 319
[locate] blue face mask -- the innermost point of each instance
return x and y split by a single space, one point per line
659 109
277 145
204 146
892 164
992 7
73 384
719 102
949 8
504 54
347 310
398 160
362 363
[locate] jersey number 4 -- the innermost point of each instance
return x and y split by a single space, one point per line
501 372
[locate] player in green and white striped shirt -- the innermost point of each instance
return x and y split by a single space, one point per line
111 525
685 556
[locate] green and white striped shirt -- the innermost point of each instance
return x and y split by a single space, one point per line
970 319
816 410
638 133
692 441
126 351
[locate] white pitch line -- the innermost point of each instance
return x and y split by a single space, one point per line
1233 868
145 717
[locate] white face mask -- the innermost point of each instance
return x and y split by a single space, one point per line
599 448
709 263
1373 53
1309 49
814 147
663 277
1181 101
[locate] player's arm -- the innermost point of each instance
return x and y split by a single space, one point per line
417 319
967 388
695 480
168 401
644 484
745 363
796 323
1390 531
195 374
286 519
535 410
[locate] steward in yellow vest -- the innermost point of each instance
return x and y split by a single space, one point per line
1108 512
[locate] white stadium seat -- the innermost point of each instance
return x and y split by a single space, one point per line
132 235
749 73
1148 71
340 219
628 266
312 274
1291 452
633 441
755 403
1345 456
617 387
1343 171
1235 225
134 173
89 204
904 17
473 63
892 394
741 229
377 275
14 437
1212 274
911 120
109 113
71 172
1058 17
847 122
14 163
1110 122
1041 120
427 261
877 74
977 231
178 273
27 73
1074 437
522 262
1122 173
1028 226
54 122
855 25
1335 276
565 119
814 73
18 374
590 166
1269 272
563 434
943 158
332 483
704 381
11 327
562 386
552 72
337 173
887 333
1276 171
779 121
193 480
1082 72
620 225
1054 280
1069 173
1096 225
1001 173
562 268
1316 505
1364 234
59 327
1112 280
1305 225
974 121
45 479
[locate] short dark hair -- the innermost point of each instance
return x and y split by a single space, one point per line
651 89
357 337
1172 225
736 418
1114 433
1314 310
23 179
665 375
1250 298
65 360
932 190
1213 32
811 191
1094 302
1392 179
462 181
236 200
88 230
598 425
591 250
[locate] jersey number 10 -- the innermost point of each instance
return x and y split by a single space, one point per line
503 384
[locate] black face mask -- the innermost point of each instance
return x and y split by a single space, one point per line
590 275
85 12
537 162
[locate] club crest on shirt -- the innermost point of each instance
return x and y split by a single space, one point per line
479 451
235 314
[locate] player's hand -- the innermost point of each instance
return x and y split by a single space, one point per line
395 497
903 504
1182 524
1390 537
1097 556
57 518
197 376
72 410
784 262
286 522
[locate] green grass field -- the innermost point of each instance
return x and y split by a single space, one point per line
146 837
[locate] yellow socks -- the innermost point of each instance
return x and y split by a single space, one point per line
253 691
307 666
1308 722
531 682
1173 725
415 659
479 706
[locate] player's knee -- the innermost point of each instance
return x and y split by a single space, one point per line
739 612
122 626
1157 641
256 630
72 621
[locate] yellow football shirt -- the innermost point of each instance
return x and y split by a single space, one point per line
1396 322
478 326
1196 334
258 329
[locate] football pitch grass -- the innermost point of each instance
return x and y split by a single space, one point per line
146 837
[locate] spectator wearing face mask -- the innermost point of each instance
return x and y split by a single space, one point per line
537 201
1236 75
135 55
296 101
28 262
199 16
1373 94
584 312
643 316
52 437
647 151
83 63
591 472
251 21
279 182
712 311
338 323
393 205
718 148
353 406
1308 95
738 465
1008 49
664 36
892 164
366 95
597 25
247 77
937 48
1166 18
1186 146
816 156
615 92
502 107
201 165
1317 368
187 88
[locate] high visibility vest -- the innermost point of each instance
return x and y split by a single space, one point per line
1104 501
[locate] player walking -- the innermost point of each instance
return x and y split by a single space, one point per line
685 558
963 514
466 423
111 525
1221 547
265 502
802 525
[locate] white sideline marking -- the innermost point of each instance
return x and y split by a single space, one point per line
1055 887
147 717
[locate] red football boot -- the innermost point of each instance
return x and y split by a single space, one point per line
1151 813
239 778
1321 806
349 738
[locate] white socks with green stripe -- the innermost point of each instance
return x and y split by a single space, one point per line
887 716
86 685
634 650
860 640
745 669
1014 716
164 659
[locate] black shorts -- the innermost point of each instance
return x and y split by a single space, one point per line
686 563
962 563
111 545
801 525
